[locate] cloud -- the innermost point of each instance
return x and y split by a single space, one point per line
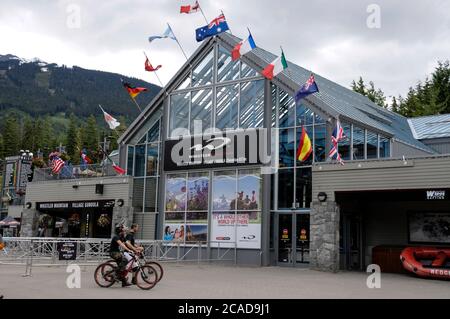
329 37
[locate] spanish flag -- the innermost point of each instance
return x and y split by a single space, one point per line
133 91
305 147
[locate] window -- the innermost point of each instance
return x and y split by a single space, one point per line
179 112
286 110
224 190
287 147
372 145
139 162
249 188
385 147
152 159
303 188
130 160
227 107
201 108
285 188
320 132
252 104
358 143
153 133
345 143
227 69
203 73
138 193
246 71
176 192
197 192
151 191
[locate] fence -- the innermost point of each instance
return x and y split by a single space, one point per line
74 172
46 252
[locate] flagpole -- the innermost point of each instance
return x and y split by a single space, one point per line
162 85
227 23
140 110
289 71
179 44
201 10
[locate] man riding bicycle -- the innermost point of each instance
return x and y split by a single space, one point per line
114 251
130 243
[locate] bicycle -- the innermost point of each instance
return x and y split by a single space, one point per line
157 266
145 276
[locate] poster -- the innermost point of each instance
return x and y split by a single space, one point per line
196 233
243 228
429 227
174 233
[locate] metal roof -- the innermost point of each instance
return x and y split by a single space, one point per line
428 127
333 99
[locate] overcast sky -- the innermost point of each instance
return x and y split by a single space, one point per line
330 37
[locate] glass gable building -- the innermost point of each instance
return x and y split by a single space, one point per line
265 216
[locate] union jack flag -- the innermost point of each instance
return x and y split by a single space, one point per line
217 21
57 165
338 133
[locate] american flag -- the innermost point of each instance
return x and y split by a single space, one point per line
217 21
57 165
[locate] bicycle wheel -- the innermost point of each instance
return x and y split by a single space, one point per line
105 275
146 277
158 268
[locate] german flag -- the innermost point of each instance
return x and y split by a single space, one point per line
133 91
305 147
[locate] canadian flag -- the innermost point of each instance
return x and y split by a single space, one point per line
190 9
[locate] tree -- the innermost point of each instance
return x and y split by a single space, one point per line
2 150
73 140
373 94
440 81
11 135
28 136
90 137
394 105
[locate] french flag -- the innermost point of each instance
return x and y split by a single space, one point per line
243 47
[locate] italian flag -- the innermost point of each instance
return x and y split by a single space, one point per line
277 66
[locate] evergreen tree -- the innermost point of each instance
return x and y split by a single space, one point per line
90 138
73 140
28 136
359 87
2 149
11 136
441 84
376 96
394 105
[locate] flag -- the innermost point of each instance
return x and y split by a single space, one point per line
112 122
305 147
274 68
118 169
336 136
57 164
308 88
149 67
133 91
85 160
190 9
338 133
167 34
216 26
243 47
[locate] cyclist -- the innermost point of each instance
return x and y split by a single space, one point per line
130 243
114 251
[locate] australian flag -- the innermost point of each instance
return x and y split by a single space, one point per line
216 26
308 88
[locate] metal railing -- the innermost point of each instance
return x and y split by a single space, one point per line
44 251
74 172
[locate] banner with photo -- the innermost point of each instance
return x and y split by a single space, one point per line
244 228
429 227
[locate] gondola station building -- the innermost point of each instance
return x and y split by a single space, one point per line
213 158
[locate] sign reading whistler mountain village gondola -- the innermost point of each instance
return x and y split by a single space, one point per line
76 205
230 148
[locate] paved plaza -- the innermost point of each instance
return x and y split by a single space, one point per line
183 281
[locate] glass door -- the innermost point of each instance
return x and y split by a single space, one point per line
293 239
285 235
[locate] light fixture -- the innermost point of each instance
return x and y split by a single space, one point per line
120 202
28 205
322 197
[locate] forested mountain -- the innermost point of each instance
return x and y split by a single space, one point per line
43 105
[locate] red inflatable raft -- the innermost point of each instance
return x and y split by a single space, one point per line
427 262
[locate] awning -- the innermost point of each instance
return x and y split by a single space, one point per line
9 221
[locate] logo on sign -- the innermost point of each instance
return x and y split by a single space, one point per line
249 237
210 146
435 194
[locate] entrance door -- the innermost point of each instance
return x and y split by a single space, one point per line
292 239
352 241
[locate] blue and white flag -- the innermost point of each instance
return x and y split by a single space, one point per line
216 26
308 88
167 34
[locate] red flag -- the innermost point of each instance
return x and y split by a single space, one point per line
190 9
149 67
119 169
